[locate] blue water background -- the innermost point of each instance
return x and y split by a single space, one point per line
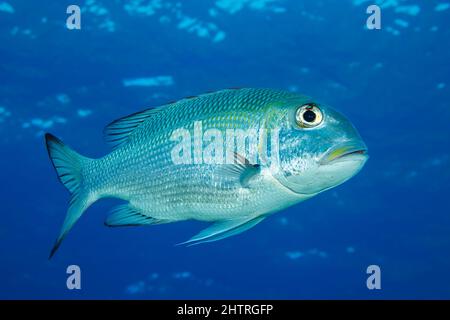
392 83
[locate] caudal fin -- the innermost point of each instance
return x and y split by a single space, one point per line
69 167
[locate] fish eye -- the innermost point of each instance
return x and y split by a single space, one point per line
308 116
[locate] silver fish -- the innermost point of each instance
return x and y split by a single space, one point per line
163 166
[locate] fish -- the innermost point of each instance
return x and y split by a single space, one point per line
232 158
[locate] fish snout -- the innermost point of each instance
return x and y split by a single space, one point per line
345 151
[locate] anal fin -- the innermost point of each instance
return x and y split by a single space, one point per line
224 229
125 215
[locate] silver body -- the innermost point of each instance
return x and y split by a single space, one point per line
141 170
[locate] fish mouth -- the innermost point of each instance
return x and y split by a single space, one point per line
345 152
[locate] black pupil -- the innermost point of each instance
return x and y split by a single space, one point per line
309 116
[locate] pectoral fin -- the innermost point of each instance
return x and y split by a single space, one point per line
241 172
223 229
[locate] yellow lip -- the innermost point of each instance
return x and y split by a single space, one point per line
343 151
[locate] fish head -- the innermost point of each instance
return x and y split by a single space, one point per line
318 148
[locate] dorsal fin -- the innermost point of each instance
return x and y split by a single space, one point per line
118 131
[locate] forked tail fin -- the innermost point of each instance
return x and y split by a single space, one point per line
69 167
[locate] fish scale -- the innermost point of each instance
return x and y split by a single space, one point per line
153 140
